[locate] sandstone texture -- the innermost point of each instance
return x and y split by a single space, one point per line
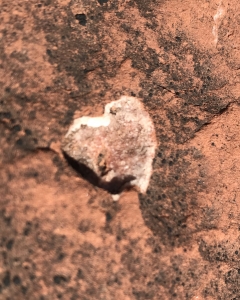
62 237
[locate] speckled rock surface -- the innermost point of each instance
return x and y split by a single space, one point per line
116 149
63 238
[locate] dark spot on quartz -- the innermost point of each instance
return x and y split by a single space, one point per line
81 19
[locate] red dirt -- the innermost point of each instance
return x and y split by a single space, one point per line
61 237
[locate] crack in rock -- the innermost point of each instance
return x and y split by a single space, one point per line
114 151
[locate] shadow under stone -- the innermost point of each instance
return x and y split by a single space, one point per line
115 186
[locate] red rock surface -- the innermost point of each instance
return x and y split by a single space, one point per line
63 238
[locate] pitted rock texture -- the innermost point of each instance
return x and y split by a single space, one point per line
118 147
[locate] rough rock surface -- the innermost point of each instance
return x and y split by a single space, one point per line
116 149
63 238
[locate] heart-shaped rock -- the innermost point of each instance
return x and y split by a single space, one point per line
116 149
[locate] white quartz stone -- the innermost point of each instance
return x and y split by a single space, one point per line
118 146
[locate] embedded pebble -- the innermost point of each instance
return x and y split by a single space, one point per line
115 150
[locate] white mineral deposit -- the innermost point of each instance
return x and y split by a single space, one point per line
118 147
